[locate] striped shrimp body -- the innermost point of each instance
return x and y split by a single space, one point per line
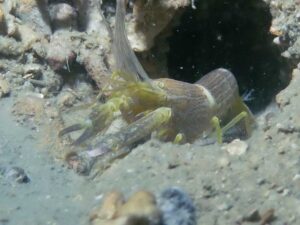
172 110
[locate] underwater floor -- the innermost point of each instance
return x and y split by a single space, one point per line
255 181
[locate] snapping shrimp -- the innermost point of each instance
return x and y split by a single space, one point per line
173 110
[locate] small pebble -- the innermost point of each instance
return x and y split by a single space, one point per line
292 219
223 162
62 12
261 181
277 41
267 217
66 99
286 54
285 192
32 71
209 191
279 189
44 91
253 216
224 206
296 177
28 87
286 129
236 147
281 150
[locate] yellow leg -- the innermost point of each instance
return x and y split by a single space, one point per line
179 139
220 131
235 120
162 134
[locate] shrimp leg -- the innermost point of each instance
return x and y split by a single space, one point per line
220 131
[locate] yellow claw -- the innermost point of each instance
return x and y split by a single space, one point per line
99 119
139 129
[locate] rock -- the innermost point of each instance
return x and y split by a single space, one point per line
32 13
10 47
296 177
277 41
62 15
177 207
2 22
286 54
32 71
253 216
158 15
139 209
4 88
224 207
285 96
60 52
93 61
286 128
260 181
223 162
141 203
30 106
267 217
110 206
66 99
236 147
286 192
209 191
15 174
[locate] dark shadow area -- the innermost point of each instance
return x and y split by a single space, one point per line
75 75
234 35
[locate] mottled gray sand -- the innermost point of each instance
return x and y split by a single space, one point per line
54 195
224 187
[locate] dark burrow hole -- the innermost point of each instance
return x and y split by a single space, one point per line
234 35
